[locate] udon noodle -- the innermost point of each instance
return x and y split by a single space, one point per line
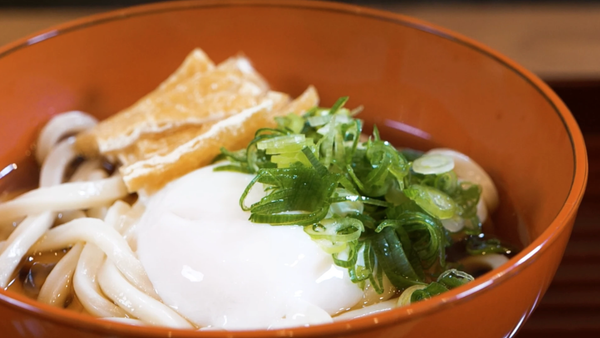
101 264
83 217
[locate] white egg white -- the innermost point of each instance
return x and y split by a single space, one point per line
219 270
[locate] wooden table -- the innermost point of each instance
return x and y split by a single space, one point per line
561 44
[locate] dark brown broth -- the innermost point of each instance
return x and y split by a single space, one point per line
32 272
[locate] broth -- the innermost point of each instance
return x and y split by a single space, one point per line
32 272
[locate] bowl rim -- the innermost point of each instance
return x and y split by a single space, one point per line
561 223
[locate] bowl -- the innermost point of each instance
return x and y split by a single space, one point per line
422 85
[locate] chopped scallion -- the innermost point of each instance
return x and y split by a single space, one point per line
377 210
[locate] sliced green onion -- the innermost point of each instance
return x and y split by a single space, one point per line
426 236
349 206
433 289
435 164
454 278
234 167
364 203
285 160
393 259
446 182
334 122
299 195
432 200
291 122
336 229
315 121
331 247
477 246
406 295
338 105
467 197
283 144
352 252
361 271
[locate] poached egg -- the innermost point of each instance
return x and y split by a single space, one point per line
207 261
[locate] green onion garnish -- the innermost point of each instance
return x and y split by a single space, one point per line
376 209
433 164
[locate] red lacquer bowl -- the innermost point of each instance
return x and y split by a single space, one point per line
422 85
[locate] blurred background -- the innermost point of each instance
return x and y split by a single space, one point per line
557 40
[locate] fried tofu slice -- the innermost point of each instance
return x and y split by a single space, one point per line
149 166
197 93
183 124
307 100
153 145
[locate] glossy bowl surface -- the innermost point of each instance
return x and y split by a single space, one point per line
422 85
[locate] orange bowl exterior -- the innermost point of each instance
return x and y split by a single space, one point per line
422 85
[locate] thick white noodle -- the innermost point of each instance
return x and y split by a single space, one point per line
107 239
67 196
100 265
34 226
367 310
60 126
97 174
370 296
57 287
405 297
85 281
128 226
19 242
117 215
84 170
135 302
122 320
86 286
91 171
53 169
482 211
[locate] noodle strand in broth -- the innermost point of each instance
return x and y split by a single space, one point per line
97 249
135 302
85 282
34 226
106 238
55 290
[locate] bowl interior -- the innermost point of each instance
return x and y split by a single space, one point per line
420 87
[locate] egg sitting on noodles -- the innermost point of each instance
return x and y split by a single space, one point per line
297 223
202 255
218 269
